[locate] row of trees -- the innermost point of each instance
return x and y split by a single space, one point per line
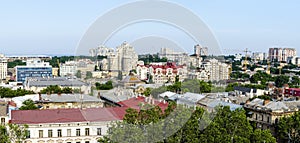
180 124
56 89
106 86
7 92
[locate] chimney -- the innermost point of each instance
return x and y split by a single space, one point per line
266 101
153 102
40 96
59 94
99 94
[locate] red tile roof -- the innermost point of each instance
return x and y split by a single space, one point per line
78 115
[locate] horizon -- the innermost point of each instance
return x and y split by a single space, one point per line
55 27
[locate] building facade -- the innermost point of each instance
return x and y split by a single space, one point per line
161 73
216 70
281 54
3 67
33 68
68 69
124 59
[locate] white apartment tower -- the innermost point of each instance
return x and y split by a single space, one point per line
124 59
3 66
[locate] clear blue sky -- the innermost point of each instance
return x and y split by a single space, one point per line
56 26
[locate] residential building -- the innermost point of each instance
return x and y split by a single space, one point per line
161 73
75 125
37 84
3 67
200 51
259 56
266 113
281 54
216 70
124 59
178 57
26 57
131 81
3 112
33 68
68 69
101 51
62 101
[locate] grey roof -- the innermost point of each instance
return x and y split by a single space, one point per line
189 98
69 98
273 106
117 94
61 81
216 103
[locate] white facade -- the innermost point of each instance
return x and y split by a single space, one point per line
71 132
101 51
3 67
68 69
216 70
178 57
124 59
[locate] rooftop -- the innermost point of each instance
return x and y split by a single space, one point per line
78 115
47 81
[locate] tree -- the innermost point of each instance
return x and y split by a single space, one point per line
17 133
289 128
281 80
89 75
262 136
147 91
78 74
4 136
28 105
107 86
295 81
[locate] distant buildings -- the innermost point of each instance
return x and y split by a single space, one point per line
101 51
258 56
200 51
281 54
3 67
124 59
68 69
178 57
161 73
216 70
33 68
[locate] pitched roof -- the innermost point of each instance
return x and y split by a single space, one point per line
78 115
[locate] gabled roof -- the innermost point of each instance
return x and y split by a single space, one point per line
78 115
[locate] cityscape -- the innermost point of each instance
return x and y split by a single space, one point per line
193 92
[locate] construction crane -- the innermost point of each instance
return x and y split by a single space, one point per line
246 59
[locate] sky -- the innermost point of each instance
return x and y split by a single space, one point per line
55 27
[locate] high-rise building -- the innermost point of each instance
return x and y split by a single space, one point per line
124 59
179 57
281 54
200 51
216 70
101 51
3 66
33 68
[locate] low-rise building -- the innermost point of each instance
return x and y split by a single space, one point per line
58 101
266 113
75 125
37 84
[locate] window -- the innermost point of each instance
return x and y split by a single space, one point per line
2 120
87 141
59 133
99 131
27 134
268 119
262 117
40 133
68 132
77 132
50 133
87 131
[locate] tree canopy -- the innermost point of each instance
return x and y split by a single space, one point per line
7 92
28 105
